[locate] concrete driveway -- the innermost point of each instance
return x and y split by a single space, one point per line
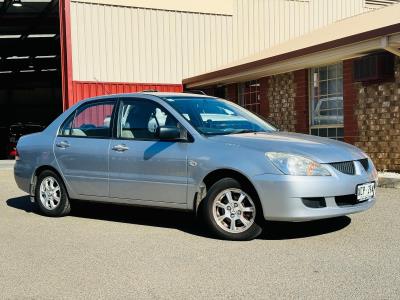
105 251
6 164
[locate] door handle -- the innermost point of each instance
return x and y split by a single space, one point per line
63 144
120 148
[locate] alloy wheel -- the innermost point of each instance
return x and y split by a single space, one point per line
50 193
234 211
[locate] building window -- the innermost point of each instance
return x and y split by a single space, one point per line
249 95
326 101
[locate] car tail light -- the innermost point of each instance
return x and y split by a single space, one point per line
16 154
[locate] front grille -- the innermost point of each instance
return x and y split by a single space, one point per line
346 200
315 202
364 163
346 167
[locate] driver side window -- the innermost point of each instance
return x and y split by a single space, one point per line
91 121
140 120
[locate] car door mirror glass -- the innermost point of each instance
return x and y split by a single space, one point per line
169 133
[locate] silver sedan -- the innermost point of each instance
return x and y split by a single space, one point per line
194 153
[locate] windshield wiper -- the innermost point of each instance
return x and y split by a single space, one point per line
233 132
244 131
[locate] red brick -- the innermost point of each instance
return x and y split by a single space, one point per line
232 93
301 101
349 103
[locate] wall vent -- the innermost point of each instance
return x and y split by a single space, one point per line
380 3
377 67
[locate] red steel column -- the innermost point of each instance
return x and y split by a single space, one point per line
66 53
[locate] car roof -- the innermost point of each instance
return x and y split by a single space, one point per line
170 94
157 94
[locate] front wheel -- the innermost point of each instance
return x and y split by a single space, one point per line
51 195
230 211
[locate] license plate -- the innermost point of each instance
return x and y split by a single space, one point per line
365 191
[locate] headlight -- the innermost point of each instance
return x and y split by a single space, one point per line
291 164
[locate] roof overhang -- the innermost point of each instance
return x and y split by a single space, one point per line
378 30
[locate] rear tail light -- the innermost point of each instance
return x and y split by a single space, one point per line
16 154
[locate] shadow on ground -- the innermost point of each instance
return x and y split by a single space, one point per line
184 221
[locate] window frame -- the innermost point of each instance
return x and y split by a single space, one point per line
80 108
310 102
117 125
254 91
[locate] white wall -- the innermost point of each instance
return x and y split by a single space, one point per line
260 24
129 44
123 41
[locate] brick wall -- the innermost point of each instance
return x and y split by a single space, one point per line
371 112
283 99
377 115
281 94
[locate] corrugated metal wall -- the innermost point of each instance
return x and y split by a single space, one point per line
112 43
95 115
128 44
83 90
260 24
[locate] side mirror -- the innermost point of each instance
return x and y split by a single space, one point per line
169 133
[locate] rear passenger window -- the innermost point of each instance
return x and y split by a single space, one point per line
92 121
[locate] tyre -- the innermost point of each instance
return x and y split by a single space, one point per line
51 195
230 211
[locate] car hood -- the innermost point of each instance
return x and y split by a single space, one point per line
322 150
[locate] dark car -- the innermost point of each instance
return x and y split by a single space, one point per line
3 141
16 131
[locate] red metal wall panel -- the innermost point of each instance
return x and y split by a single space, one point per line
94 115
86 89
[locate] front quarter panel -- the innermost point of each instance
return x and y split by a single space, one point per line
206 156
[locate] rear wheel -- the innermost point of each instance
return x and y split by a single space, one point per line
51 196
230 211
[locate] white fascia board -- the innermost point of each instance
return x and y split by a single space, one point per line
219 7
297 63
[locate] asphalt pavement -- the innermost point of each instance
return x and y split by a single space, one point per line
115 252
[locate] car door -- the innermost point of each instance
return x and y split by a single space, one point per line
81 148
142 167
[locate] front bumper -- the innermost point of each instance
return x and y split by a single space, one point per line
282 196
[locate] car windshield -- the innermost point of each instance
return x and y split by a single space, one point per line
212 116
